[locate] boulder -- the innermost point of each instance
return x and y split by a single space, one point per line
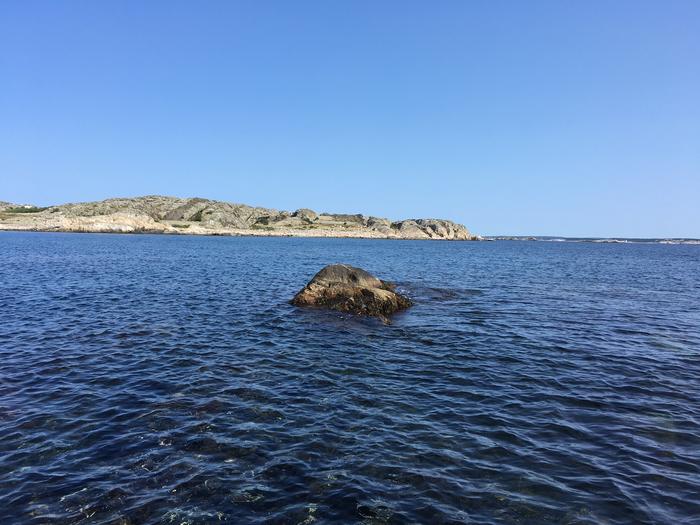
409 229
348 289
381 226
306 215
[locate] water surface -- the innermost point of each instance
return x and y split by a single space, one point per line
156 379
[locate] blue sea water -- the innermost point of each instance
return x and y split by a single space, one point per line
166 379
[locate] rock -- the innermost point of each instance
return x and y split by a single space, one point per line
382 226
345 218
199 216
432 229
114 223
186 211
377 222
306 215
348 289
410 229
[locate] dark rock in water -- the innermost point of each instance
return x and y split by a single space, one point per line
348 289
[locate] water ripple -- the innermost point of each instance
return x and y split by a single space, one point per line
152 379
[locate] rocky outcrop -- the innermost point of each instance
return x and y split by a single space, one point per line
410 229
306 215
114 223
348 289
197 216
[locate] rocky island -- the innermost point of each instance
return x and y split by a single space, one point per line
197 216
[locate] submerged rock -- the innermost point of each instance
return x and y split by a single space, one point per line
348 289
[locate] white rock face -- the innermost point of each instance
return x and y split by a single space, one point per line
196 216
119 222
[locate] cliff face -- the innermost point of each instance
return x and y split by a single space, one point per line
195 216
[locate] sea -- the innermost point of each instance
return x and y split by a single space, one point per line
153 379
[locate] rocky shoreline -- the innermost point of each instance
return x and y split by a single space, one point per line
196 216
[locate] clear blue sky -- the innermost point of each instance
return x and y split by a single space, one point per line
513 117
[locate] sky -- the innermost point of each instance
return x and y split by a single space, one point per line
520 118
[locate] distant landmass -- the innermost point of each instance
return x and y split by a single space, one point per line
197 216
612 240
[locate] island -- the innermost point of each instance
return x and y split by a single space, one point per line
197 216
